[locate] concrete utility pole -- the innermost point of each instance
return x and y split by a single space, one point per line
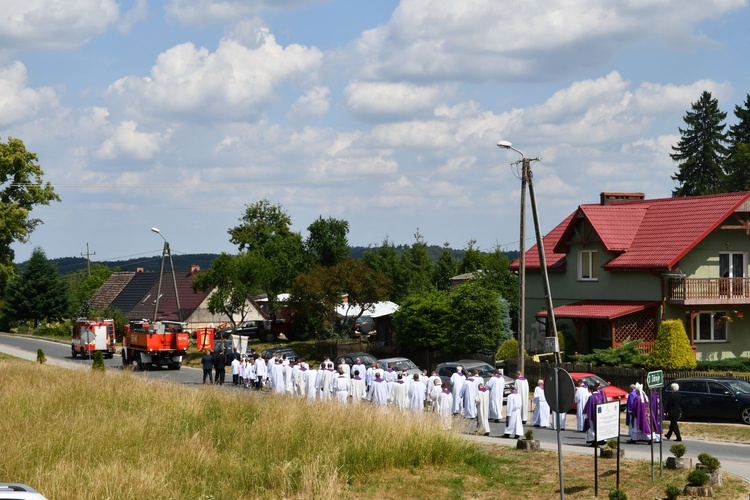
88 258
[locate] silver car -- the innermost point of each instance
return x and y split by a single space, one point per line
399 364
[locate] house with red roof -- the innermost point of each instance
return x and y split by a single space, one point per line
620 267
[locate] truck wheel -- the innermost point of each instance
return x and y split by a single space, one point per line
74 352
269 336
174 366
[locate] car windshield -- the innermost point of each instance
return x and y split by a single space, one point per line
485 371
739 386
403 364
593 380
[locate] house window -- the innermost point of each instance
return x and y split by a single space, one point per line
588 270
711 327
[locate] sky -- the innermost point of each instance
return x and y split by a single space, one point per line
178 114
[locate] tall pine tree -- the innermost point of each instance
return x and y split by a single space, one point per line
701 150
738 162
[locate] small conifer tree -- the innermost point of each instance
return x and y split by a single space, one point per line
98 362
40 357
672 349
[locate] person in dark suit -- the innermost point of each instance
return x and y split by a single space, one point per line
674 411
220 362
208 364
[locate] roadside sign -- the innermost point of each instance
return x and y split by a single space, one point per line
655 379
565 390
607 420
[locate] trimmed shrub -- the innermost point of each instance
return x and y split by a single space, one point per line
508 350
612 444
529 435
710 462
672 492
672 349
617 495
98 362
697 477
40 357
725 365
628 355
678 450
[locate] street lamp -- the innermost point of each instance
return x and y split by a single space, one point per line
166 251
527 178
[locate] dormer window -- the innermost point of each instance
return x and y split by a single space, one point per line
588 269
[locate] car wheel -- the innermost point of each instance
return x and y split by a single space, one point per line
745 415
269 336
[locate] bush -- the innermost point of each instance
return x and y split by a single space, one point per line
672 492
725 365
678 449
710 462
697 477
54 329
529 435
672 349
628 355
98 362
617 495
508 350
40 357
612 444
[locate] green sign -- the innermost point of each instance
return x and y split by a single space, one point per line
655 379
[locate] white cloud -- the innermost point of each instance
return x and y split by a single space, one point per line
138 13
19 103
127 141
521 39
313 103
235 82
394 99
53 24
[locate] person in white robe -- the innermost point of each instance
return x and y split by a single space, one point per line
390 375
469 395
558 419
311 376
445 408
522 386
261 372
417 393
457 383
434 376
379 394
288 379
513 415
241 372
540 415
357 390
483 410
340 387
361 368
370 375
325 383
580 398
436 387
346 370
496 386
300 384
277 369
399 396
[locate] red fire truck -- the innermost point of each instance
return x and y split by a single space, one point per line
91 335
148 345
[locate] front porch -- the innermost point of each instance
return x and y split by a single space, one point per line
708 291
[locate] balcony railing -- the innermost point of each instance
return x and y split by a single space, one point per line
709 291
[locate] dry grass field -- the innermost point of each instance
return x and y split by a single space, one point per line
84 434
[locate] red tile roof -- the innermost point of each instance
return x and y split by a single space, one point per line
648 234
599 309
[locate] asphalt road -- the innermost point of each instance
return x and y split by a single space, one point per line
735 458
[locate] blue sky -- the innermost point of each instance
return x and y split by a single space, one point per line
177 114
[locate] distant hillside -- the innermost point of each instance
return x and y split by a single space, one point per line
70 265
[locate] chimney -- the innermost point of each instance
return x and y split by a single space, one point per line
194 268
612 198
138 270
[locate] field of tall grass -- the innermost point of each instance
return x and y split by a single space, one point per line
86 434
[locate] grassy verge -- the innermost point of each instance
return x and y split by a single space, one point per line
112 435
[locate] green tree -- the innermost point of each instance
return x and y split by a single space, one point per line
423 321
265 234
445 269
327 240
417 266
701 149
38 294
473 260
385 259
738 162
476 319
672 350
21 189
232 277
498 276
82 285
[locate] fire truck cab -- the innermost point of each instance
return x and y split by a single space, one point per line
151 345
91 335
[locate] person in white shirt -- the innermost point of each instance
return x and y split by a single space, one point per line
260 372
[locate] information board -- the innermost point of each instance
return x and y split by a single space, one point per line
607 420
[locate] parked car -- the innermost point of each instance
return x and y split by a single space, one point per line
398 365
367 359
263 329
19 491
709 399
273 351
613 393
446 370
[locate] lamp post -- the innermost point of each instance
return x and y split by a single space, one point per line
166 251
527 178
